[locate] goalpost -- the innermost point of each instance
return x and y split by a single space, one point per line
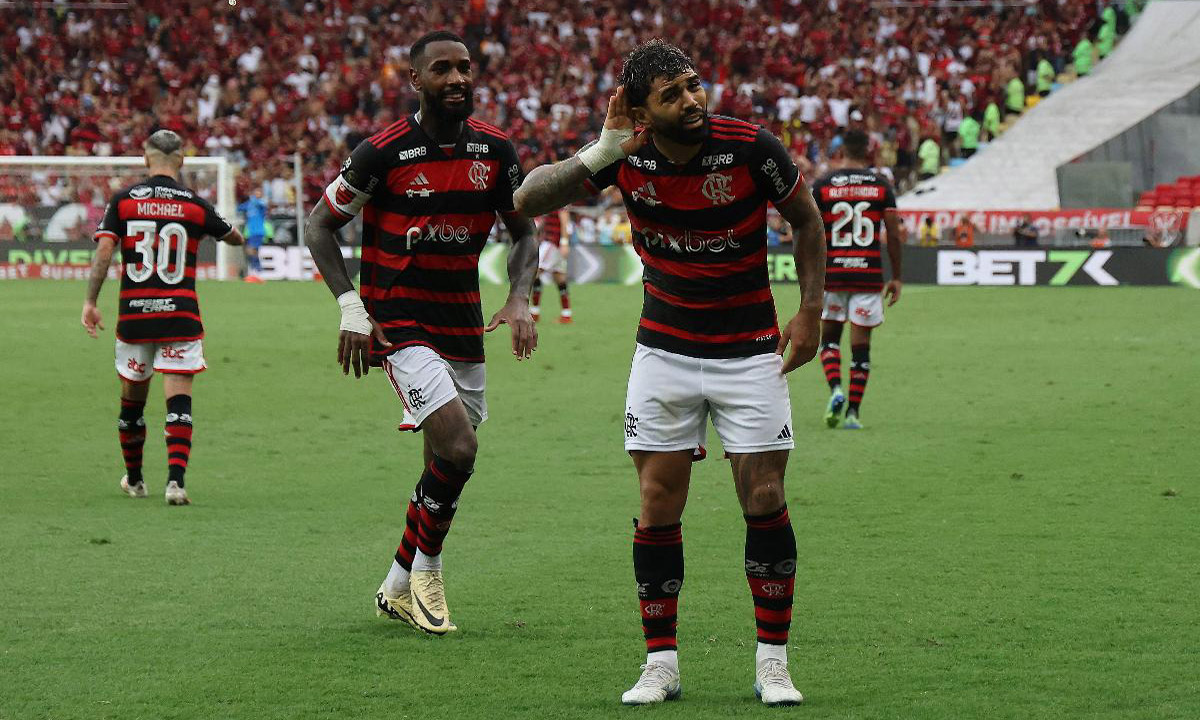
54 199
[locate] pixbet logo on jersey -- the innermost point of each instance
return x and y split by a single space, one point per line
689 241
437 233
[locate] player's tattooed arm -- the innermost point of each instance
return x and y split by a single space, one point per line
548 188
808 249
895 250
91 319
522 268
320 237
354 344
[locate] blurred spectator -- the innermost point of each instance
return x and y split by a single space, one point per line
930 234
1024 233
1101 239
930 156
1084 55
1045 76
964 233
1014 96
968 135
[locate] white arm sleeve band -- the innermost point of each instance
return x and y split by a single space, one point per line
354 315
605 151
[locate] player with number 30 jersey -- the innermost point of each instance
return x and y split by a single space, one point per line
158 224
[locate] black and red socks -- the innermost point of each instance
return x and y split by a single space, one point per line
131 430
179 436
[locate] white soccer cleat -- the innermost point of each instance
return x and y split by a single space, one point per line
773 685
176 495
137 491
658 683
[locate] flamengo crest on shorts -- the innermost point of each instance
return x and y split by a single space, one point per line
701 232
852 204
426 217
158 224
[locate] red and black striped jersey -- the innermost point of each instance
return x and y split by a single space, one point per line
158 224
551 228
701 232
852 203
427 212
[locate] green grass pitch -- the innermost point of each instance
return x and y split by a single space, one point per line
1016 534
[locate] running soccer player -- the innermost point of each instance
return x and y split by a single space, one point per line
429 187
857 204
158 224
696 189
552 261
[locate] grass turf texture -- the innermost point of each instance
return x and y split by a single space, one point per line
1014 535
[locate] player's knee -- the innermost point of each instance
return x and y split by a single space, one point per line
765 497
461 451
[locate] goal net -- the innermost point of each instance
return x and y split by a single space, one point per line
50 206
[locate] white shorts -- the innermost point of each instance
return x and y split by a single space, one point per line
550 258
670 396
863 309
425 381
136 362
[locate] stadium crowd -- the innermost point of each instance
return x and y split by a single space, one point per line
260 81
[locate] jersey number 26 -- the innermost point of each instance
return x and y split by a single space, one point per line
862 230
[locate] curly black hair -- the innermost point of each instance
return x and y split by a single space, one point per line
418 48
649 61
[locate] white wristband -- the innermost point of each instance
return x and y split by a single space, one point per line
605 151
354 314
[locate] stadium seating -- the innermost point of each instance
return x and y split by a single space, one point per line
1157 63
261 81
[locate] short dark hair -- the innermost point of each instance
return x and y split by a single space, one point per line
164 141
649 61
418 48
856 143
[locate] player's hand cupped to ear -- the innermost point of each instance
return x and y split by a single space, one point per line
803 333
354 349
618 118
515 314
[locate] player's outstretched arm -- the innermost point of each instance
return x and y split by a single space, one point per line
522 267
550 187
91 319
803 332
357 328
233 237
895 249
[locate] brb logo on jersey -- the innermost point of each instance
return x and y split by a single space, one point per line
478 175
716 188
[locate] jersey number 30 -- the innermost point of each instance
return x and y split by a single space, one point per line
172 239
862 230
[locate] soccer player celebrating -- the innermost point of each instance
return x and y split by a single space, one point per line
429 187
552 261
158 224
857 204
696 189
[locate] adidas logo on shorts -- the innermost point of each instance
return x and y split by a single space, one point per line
785 433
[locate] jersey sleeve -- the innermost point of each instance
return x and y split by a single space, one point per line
110 224
510 178
889 195
773 170
361 175
215 226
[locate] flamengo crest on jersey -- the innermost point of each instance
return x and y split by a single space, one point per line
852 203
700 230
158 224
426 217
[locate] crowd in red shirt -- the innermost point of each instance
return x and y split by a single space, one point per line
261 81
